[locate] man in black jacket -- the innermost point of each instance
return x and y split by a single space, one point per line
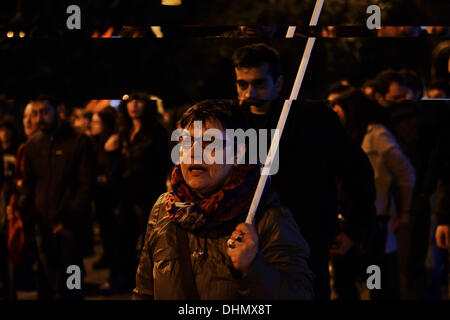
315 153
56 195
416 131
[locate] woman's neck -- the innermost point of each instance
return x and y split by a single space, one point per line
137 125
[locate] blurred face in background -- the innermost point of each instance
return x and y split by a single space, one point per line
397 93
80 120
96 125
43 115
29 126
5 137
135 108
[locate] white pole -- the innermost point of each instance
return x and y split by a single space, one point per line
285 112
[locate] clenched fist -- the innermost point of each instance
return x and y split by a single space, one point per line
242 247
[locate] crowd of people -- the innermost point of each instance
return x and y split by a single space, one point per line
363 180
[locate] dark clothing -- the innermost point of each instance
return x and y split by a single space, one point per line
143 169
315 153
416 132
105 198
279 271
58 177
143 166
443 198
57 188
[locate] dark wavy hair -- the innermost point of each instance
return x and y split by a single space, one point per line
150 117
360 111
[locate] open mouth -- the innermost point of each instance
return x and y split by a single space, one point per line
196 168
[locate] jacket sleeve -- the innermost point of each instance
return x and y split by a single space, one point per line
355 174
79 205
144 274
280 269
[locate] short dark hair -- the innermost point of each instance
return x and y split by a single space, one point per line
255 55
225 111
384 80
360 111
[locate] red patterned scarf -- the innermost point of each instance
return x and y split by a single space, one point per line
191 212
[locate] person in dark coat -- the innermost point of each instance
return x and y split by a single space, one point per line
416 131
142 143
57 187
103 125
199 226
315 153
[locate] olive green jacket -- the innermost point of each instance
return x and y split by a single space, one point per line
279 271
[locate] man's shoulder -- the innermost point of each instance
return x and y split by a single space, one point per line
35 140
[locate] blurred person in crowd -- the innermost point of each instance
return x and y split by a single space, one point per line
391 169
414 84
17 254
56 196
440 61
205 214
336 88
103 125
441 244
438 89
9 144
438 31
8 141
143 164
415 130
315 151
81 119
390 87
368 88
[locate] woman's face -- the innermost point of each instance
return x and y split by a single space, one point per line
30 127
96 125
135 108
204 179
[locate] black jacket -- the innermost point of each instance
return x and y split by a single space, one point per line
143 166
416 132
316 153
58 177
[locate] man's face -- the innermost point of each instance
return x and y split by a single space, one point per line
256 87
42 115
204 179
397 93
